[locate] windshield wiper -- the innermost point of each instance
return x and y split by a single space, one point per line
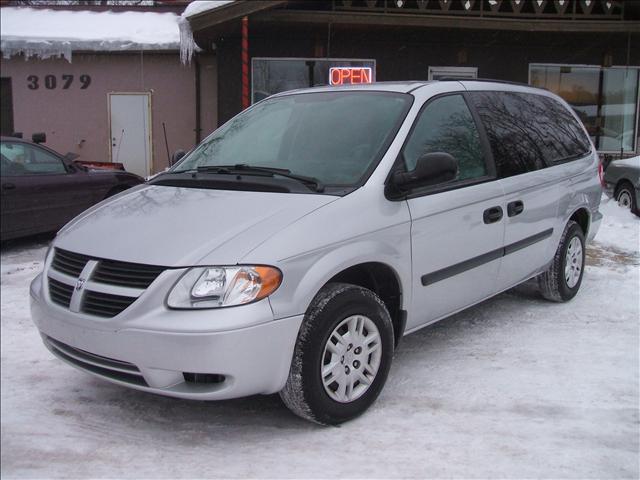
249 169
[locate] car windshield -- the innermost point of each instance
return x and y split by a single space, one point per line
336 138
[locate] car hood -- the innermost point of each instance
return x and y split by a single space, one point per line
174 226
633 162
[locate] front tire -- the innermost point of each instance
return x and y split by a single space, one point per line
342 355
563 278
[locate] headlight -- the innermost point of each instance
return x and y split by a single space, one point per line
212 287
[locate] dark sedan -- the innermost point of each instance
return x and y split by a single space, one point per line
42 190
622 182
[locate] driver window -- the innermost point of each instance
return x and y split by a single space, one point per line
446 125
25 159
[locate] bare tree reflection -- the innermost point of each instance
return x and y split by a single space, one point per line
525 130
459 137
447 126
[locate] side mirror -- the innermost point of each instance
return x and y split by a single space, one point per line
431 169
40 137
175 158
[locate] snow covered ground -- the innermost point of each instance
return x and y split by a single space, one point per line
515 387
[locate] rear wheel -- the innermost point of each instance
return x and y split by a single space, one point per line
342 355
563 278
626 196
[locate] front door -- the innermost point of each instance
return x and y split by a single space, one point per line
130 117
457 228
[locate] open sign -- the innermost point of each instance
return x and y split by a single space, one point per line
349 75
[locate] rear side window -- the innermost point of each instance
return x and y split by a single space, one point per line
528 132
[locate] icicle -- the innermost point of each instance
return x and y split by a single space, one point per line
41 49
187 43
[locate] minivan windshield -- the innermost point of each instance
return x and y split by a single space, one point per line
334 138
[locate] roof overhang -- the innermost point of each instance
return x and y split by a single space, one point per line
442 21
211 25
219 22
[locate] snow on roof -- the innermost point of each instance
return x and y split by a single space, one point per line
199 6
187 43
48 33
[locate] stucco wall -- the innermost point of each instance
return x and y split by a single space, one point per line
77 120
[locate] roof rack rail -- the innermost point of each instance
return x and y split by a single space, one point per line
454 79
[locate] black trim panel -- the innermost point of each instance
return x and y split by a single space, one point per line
524 243
462 267
474 262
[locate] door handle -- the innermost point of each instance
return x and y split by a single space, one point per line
8 186
492 215
515 208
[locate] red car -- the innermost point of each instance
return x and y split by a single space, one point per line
42 190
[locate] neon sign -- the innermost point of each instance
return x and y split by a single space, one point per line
349 75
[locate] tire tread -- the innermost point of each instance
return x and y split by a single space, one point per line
293 393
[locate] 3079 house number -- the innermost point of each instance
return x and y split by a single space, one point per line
51 82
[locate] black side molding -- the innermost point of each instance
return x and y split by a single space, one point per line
458 268
438 275
524 243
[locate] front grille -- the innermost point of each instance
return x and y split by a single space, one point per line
60 292
107 367
105 304
103 293
69 262
126 274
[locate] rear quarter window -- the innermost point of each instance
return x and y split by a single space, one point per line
528 132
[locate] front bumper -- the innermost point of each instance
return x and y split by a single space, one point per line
244 361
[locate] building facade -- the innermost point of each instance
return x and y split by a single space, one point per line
107 100
135 109
586 51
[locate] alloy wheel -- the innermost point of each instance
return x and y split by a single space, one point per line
351 358
573 262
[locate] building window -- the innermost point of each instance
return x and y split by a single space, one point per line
605 99
274 75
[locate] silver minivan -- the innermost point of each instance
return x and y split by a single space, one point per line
293 248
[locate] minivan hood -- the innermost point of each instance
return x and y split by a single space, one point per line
174 226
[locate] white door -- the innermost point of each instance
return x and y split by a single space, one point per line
131 131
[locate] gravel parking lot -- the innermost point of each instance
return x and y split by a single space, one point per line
514 387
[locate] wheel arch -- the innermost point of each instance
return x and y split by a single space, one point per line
371 264
582 217
622 181
384 281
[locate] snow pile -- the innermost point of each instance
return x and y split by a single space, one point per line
187 43
620 228
50 33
